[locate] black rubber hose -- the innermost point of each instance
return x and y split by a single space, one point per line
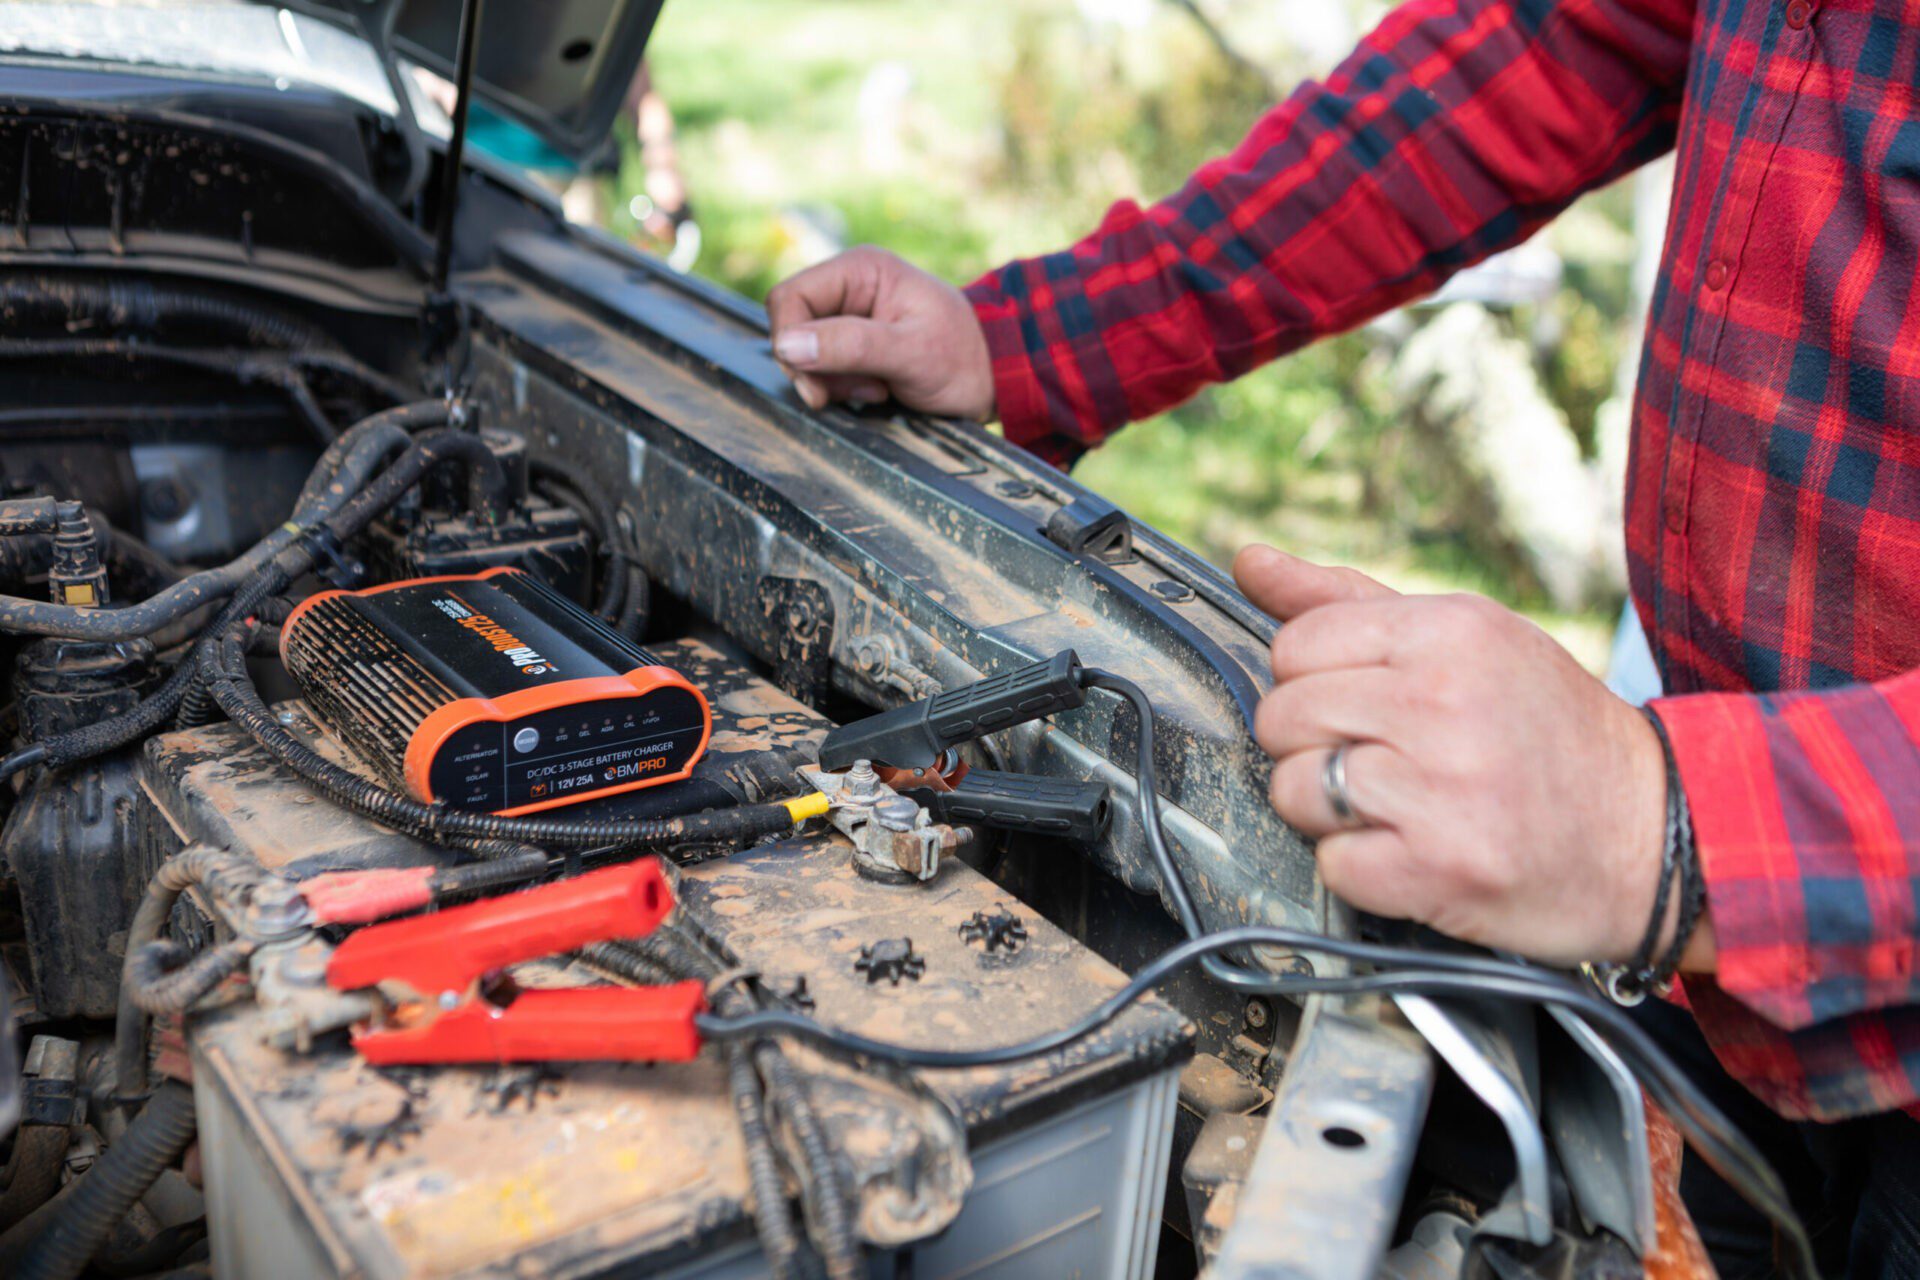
72 304
824 1192
165 977
619 959
632 622
20 516
502 871
772 1216
328 493
153 1141
197 706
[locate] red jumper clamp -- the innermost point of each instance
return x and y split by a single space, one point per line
447 1001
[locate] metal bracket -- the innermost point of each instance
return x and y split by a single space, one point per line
1597 1117
1332 1168
1485 1051
799 615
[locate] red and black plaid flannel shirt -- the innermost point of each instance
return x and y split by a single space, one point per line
1773 530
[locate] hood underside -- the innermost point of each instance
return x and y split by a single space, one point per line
561 68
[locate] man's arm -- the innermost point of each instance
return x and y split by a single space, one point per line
1456 129
1806 811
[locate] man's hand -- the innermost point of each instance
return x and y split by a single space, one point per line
1509 799
866 325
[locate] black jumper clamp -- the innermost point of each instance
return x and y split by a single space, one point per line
913 748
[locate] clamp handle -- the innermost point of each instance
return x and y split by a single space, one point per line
913 736
448 951
570 1024
1059 807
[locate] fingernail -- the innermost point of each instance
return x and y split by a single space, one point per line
811 392
797 346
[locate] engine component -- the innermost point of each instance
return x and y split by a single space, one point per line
453 527
79 576
492 692
70 841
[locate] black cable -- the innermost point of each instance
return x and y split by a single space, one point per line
23 759
1147 801
1707 1130
1405 970
82 1222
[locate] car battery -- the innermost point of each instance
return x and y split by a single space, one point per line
319 1165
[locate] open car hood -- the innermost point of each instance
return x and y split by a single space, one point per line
559 67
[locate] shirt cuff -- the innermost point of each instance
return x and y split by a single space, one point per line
1747 858
1019 400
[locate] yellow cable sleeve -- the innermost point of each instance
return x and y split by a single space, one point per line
807 806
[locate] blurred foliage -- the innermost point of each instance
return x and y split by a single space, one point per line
961 135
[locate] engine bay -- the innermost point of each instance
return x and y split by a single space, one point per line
212 798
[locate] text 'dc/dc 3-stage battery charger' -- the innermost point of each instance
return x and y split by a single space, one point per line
492 692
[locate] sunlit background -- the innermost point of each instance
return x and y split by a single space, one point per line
1473 443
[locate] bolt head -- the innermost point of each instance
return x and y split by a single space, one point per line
896 813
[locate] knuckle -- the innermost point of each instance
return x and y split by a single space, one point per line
1350 869
1339 872
1460 616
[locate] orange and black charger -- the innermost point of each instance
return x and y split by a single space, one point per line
492 692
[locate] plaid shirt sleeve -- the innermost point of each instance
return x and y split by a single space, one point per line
1806 810
1453 131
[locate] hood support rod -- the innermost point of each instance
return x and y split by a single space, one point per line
456 149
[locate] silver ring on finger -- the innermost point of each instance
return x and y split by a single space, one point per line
1333 784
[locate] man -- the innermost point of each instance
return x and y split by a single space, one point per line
1491 788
